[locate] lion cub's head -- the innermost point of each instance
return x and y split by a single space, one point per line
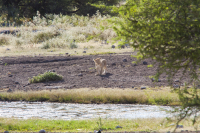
97 61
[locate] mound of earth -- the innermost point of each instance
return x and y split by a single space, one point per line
78 72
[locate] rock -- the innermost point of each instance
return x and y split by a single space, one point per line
66 53
176 80
7 49
142 88
132 86
13 32
176 86
42 131
121 46
10 75
16 82
113 64
113 46
97 131
145 63
127 45
118 126
53 71
9 90
6 132
124 60
80 74
152 79
84 51
179 126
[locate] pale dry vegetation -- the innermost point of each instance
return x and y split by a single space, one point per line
60 34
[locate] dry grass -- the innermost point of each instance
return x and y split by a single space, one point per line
38 37
102 95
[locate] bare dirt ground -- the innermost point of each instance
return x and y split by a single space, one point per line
78 72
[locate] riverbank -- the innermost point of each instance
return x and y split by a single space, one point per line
106 125
151 96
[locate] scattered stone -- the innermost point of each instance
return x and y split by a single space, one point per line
84 51
7 49
98 131
118 126
127 45
124 60
135 88
13 32
80 74
152 79
113 46
113 64
145 63
42 131
121 46
176 86
142 88
132 86
9 90
16 82
176 80
10 75
53 71
179 126
6 132
66 53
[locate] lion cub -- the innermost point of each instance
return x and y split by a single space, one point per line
100 65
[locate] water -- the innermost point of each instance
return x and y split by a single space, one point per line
68 111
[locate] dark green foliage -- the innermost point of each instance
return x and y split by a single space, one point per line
169 32
15 9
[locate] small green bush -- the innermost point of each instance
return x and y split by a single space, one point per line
46 46
73 45
43 36
3 41
47 76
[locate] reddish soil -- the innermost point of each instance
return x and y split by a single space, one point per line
77 72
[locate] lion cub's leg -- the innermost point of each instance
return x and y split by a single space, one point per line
104 66
98 70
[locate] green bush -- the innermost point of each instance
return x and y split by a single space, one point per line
43 36
73 45
47 76
3 41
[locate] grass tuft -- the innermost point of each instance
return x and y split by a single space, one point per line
4 41
47 76
43 36
102 95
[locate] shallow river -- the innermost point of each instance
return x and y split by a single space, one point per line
68 111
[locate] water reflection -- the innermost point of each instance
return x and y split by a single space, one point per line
68 111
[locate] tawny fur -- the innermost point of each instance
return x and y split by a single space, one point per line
100 65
